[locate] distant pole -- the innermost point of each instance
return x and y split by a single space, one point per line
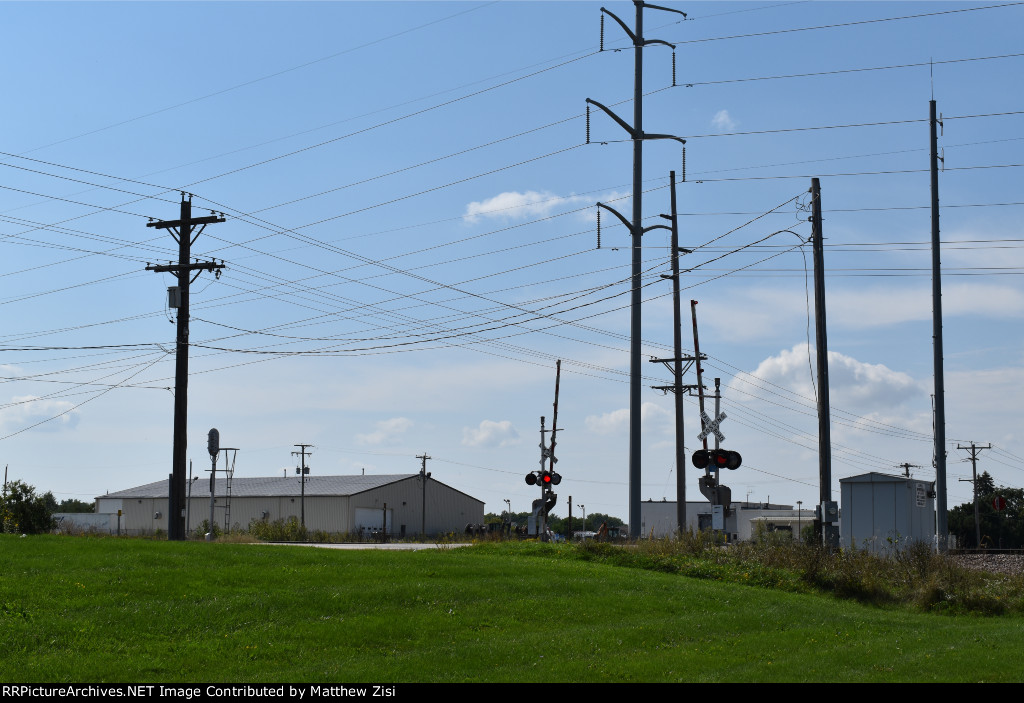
568 528
941 499
974 450
830 532
423 480
303 470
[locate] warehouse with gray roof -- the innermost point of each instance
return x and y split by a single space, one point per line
402 504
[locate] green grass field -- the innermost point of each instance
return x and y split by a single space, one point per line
118 610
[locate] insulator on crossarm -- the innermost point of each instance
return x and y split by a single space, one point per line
602 32
684 165
598 228
673 68
588 123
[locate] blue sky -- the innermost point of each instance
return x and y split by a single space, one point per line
411 232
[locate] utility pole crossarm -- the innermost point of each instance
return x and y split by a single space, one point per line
622 24
618 120
166 224
664 136
623 220
685 388
648 42
645 230
198 266
666 9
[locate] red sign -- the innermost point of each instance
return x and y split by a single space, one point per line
999 503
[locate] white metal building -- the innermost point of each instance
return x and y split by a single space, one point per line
334 504
882 512
658 518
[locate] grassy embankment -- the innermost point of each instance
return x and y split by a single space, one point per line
90 610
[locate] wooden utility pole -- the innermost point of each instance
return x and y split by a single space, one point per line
302 470
941 499
424 475
677 368
829 510
974 449
181 230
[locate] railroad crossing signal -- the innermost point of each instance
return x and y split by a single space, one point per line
711 426
719 458
546 479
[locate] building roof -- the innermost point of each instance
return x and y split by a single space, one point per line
876 477
249 486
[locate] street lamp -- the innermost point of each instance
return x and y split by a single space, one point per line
583 508
799 516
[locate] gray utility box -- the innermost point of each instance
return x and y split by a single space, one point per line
882 512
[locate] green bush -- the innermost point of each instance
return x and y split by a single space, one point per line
204 527
281 531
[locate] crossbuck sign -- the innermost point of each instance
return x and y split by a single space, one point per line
711 427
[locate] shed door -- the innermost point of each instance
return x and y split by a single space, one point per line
371 518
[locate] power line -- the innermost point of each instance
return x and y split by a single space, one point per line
261 78
844 24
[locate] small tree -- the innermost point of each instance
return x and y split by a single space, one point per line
23 511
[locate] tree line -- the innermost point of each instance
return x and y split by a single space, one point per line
1000 529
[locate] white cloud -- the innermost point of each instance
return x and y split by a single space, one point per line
491 434
27 410
723 122
387 431
617 421
516 206
852 383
